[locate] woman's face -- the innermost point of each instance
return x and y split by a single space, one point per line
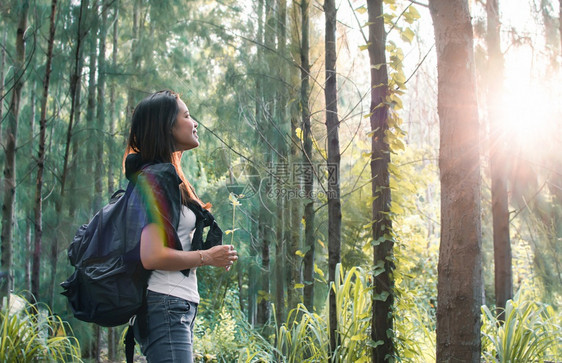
185 129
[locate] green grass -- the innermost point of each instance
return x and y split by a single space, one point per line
531 333
31 333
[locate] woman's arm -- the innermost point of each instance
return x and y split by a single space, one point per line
156 256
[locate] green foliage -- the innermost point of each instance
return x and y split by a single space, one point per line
228 337
304 337
30 334
531 331
415 206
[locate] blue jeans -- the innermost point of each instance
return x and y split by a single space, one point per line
165 329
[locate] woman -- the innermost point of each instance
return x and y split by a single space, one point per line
161 130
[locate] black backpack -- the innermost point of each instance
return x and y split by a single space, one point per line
109 283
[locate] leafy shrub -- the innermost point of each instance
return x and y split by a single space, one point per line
31 333
229 337
304 337
531 332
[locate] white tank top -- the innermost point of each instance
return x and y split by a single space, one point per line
176 283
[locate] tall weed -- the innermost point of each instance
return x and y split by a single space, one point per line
531 332
32 334
304 337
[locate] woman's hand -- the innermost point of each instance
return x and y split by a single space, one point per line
220 256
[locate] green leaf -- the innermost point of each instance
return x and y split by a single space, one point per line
411 15
359 337
299 253
318 271
299 286
361 10
378 66
382 296
407 35
299 133
364 46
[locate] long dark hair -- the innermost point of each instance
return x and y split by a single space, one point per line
151 136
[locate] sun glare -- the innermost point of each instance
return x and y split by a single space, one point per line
531 108
529 113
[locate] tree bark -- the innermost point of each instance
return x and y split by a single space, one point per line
498 160
2 76
41 161
263 304
112 113
333 164
10 151
112 338
74 115
383 294
309 241
91 98
459 270
287 126
100 109
28 258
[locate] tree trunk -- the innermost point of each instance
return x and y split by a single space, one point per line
111 332
91 102
459 270
135 56
383 294
498 160
10 151
309 241
112 344
263 303
100 109
287 126
41 161
2 76
332 125
28 258
112 113
74 115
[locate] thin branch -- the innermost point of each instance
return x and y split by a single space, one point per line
418 3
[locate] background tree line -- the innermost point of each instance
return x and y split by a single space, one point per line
429 214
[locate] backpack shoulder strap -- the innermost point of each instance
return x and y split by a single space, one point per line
129 344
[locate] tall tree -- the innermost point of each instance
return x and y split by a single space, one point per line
333 163
112 332
9 186
2 74
309 240
41 158
91 98
262 313
100 107
383 295
498 160
459 283
74 114
292 224
112 97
